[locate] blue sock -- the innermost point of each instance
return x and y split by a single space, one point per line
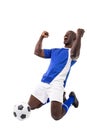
68 103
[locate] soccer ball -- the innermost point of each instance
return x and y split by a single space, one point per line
21 111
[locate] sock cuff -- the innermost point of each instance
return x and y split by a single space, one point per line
65 107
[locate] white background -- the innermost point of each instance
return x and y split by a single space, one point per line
21 23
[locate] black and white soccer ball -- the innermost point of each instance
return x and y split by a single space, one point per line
21 111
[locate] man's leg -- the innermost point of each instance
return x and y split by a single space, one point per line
72 100
34 102
58 110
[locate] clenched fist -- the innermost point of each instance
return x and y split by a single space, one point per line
45 34
80 32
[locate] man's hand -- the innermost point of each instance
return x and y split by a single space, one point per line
80 32
45 34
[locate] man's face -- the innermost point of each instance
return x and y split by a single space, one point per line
69 37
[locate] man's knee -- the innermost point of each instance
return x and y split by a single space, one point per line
56 110
56 116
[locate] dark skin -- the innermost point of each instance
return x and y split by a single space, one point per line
71 40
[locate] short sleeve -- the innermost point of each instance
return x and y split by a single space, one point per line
47 53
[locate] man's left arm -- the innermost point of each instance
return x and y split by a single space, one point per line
75 49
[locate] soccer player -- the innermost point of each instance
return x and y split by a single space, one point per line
54 79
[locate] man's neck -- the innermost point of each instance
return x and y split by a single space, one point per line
68 46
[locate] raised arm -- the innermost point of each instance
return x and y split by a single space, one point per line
75 49
38 48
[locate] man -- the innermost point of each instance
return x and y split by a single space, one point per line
54 80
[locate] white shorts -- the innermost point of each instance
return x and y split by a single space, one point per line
52 91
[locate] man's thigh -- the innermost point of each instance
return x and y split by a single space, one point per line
34 102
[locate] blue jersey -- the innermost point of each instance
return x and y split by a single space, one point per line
59 67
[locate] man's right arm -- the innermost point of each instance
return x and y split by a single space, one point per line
38 48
